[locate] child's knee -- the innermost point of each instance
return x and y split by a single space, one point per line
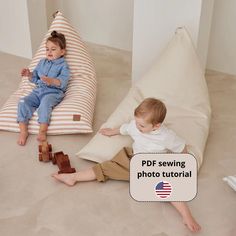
24 102
22 105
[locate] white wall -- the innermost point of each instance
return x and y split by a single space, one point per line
14 28
110 22
105 22
51 7
155 22
204 31
37 22
222 47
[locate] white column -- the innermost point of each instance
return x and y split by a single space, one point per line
155 22
37 22
14 28
205 30
23 24
222 47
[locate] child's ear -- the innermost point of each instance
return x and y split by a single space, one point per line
63 52
157 126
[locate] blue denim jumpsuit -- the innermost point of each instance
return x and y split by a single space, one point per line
44 97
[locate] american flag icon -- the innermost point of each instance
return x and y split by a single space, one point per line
163 189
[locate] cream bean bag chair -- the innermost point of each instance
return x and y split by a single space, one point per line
75 113
178 80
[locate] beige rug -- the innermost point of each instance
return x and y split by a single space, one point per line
34 204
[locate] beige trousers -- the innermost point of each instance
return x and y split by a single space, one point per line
117 168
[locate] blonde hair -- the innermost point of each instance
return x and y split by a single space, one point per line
151 109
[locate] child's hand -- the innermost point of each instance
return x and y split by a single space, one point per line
46 80
109 132
26 72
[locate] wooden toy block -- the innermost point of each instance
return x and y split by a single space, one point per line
62 162
45 152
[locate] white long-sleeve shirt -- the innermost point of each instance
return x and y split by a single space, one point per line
161 140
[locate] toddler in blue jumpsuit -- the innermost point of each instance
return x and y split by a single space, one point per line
51 77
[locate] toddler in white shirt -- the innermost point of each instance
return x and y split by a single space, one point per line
149 135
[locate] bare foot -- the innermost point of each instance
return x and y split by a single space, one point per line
42 136
68 179
22 138
190 222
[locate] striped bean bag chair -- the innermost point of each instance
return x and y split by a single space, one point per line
75 113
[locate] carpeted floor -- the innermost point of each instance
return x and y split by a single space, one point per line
34 204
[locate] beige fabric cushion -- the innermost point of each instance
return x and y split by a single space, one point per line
80 95
178 80
102 148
